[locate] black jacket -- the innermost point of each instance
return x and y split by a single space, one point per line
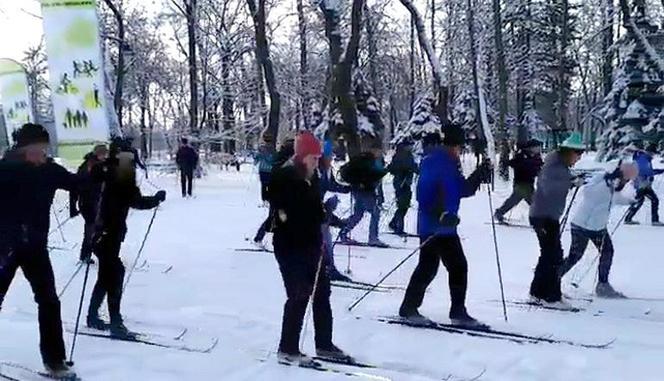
526 167
89 189
186 158
298 200
363 173
26 197
116 198
403 168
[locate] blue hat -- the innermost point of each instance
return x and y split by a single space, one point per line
328 148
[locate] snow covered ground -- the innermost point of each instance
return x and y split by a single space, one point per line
238 297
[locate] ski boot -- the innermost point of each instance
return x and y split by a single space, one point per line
260 245
560 304
333 353
94 322
657 223
120 331
335 275
461 318
346 240
605 290
59 370
412 315
499 218
296 358
375 242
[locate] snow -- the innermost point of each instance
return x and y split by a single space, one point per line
215 291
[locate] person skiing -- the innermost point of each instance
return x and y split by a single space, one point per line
526 164
127 144
553 184
643 185
87 198
265 161
403 168
187 161
329 184
298 216
286 151
590 221
28 182
119 193
364 173
440 188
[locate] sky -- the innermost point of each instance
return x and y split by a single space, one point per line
20 27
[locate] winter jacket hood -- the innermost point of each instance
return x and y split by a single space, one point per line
553 185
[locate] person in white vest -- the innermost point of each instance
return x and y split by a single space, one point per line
590 221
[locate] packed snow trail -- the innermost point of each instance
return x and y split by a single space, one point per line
215 291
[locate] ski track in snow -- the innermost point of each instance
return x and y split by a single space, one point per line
215 291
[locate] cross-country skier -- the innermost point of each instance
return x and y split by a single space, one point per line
88 197
28 182
553 184
365 173
526 164
285 152
403 168
187 161
119 193
440 188
328 183
643 185
299 214
265 160
591 219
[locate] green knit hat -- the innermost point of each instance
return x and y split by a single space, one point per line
574 142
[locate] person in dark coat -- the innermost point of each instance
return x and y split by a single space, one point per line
328 183
526 164
28 182
286 151
265 159
187 161
643 185
365 173
299 214
87 198
403 168
440 188
119 194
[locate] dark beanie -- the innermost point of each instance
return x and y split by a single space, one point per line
30 133
454 135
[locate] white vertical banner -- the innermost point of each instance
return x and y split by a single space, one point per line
71 29
14 96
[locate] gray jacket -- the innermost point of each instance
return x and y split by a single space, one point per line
553 185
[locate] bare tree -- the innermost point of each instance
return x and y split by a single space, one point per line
188 9
120 70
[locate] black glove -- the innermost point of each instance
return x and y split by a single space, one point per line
450 220
161 196
617 174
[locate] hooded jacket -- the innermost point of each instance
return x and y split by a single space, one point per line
597 196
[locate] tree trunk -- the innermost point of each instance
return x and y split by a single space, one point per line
303 104
263 57
607 46
373 55
502 89
470 17
193 64
412 66
120 70
227 106
562 68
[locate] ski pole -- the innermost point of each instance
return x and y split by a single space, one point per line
140 250
348 270
495 246
78 315
311 298
71 279
563 223
57 220
375 286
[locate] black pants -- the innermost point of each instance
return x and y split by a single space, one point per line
298 270
265 227
265 178
37 269
602 241
546 283
88 233
109 278
641 196
187 181
521 192
403 204
446 249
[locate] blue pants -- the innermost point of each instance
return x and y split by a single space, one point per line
580 239
364 202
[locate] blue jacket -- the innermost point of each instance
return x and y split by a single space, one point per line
265 159
440 188
646 172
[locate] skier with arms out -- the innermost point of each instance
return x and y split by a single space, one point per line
553 184
28 182
299 214
590 221
119 194
440 188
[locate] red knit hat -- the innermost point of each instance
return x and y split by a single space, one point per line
306 144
